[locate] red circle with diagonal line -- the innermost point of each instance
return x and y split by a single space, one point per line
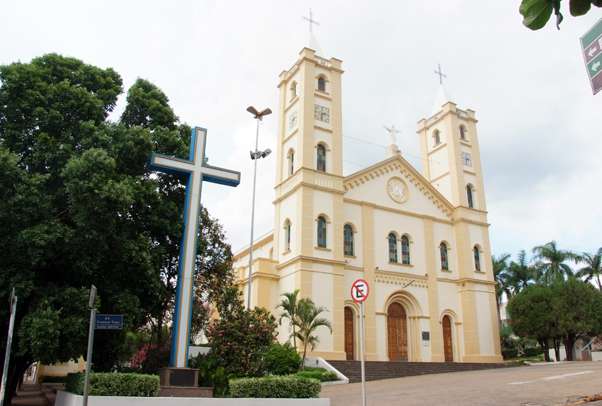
359 290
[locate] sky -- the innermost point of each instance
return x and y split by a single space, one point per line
539 124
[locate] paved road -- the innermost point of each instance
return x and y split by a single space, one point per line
538 385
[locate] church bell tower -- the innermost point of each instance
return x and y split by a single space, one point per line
308 223
451 155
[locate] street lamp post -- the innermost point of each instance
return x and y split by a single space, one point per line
255 155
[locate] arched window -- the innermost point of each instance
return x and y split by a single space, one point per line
321 232
348 239
321 158
322 84
287 235
436 137
291 161
463 132
405 250
469 196
477 258
444 260
392 247
293 90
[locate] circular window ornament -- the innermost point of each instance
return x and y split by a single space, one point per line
397 190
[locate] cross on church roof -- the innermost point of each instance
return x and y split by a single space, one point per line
440 73
311 21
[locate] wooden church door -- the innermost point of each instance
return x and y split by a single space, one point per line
448 348
349 330
397 333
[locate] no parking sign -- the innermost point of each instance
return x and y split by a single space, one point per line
359 293
359 290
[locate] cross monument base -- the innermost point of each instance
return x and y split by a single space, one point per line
182 382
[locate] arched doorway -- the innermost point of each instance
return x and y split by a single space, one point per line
448 348
397 332
349 331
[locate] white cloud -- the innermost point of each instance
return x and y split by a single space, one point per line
539 124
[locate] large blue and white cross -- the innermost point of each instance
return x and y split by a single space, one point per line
197 171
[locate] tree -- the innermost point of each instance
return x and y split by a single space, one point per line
592 268
500 267
532 315
308 321
520 273
578 309
78 206
148 108
536 13
239 337
551 263
289 305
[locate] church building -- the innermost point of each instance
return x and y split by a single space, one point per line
420 239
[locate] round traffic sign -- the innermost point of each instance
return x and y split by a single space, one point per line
359 290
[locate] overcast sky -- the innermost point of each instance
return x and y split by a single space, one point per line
539 124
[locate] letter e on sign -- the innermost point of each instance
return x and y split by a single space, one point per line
359 290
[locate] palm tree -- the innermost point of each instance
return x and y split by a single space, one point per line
500 266
551 262
289 305
520 273
308 321
593 267
500 273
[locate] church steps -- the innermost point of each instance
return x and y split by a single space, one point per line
376 370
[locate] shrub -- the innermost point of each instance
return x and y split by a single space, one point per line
114 384
508 353
275 387
281 359
532 351
239 338
320 374
211 373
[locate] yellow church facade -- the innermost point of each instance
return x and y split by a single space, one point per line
421 240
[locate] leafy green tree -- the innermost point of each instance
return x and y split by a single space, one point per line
593 267
289 305
308 321
536 13
551 262
532 315
78 206
578 309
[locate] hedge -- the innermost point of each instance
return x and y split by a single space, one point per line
320 374
115 384
275 387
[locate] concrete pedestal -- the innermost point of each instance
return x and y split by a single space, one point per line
182 382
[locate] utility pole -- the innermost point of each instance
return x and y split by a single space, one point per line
90 343
9 341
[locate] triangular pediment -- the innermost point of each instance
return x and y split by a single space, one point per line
372 185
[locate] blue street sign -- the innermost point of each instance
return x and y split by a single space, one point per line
109 321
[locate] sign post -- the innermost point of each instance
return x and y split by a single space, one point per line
90 343
359 293
591 45
9 341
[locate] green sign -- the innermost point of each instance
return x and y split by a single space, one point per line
591 45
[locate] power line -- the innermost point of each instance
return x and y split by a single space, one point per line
385 147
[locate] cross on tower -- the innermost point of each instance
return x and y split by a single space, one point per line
392 134
440 73
311 21
197 170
